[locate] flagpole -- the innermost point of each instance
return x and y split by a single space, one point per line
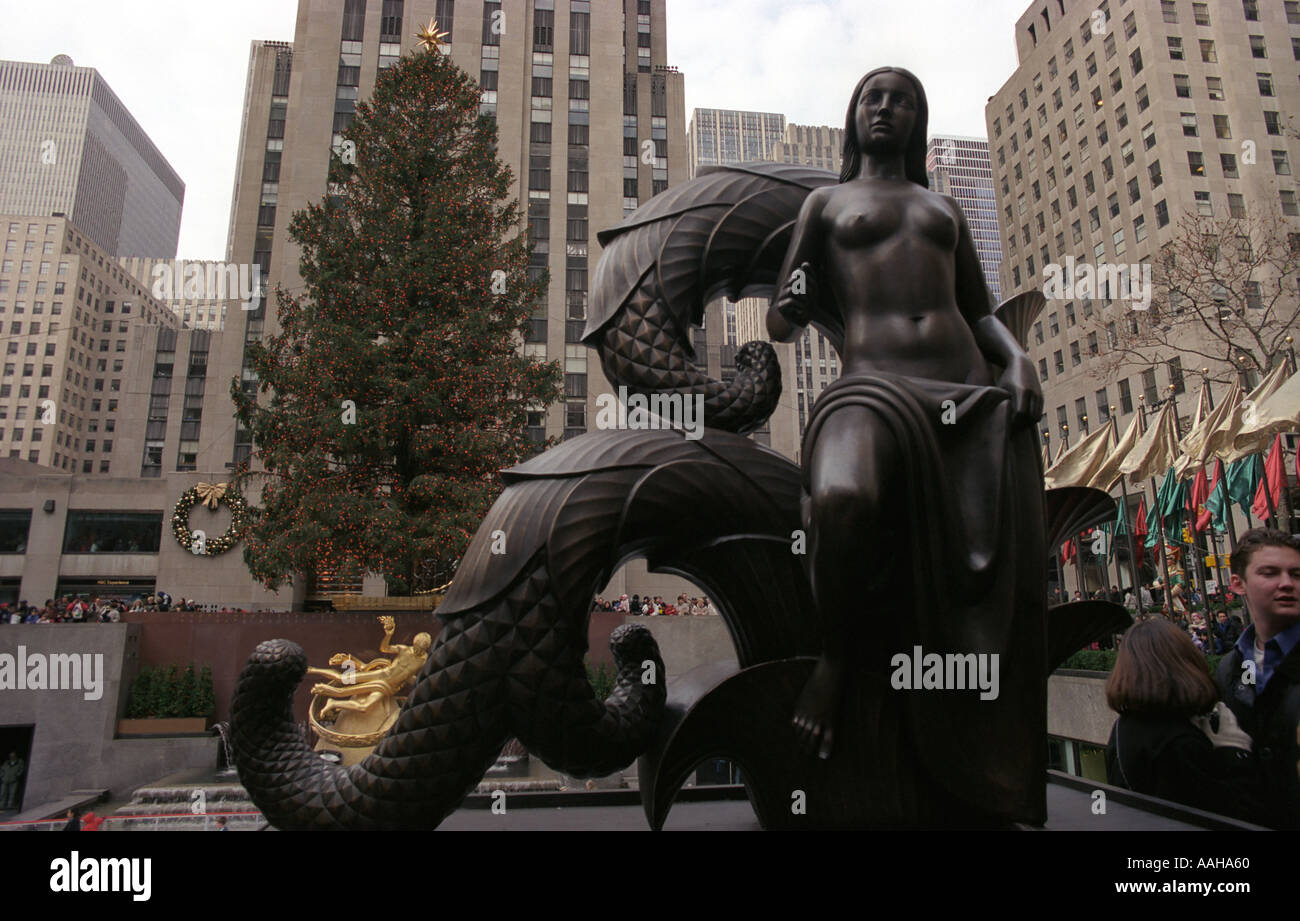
1198 571
1160 521
1132 546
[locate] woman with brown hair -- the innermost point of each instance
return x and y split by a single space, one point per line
1173 738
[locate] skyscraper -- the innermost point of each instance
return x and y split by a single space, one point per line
960 167
1120 119
68 147
581 92
728 136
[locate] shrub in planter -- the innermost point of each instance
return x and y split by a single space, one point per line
170 693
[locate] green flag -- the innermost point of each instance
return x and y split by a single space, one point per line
1243 480
1170 506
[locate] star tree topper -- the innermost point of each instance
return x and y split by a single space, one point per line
430 37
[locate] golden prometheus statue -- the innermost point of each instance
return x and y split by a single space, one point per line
354 709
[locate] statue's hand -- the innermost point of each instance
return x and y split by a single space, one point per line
1021 381
795 295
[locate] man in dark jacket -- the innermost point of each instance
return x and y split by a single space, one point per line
1227 630
1260 678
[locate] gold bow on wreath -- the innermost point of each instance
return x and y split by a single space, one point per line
210 494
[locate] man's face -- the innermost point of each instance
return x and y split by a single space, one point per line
1272 583
1223 618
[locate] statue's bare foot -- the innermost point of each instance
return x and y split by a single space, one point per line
814 715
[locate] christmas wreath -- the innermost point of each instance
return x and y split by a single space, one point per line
211 495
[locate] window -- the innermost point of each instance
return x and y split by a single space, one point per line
1229 164
1182 86
1292 12
1053 325
1289 203
1201 13
1196 163
1251 9
1130 26
1162 213
1091 65
1134 190
1139 229
112 532
1272 122
1214 87
1281 164
1257 48
1236 205
1203 206
1116 81
1059 360
1265 84
1176 48
1126 153
1208 54
1075 357
1169 10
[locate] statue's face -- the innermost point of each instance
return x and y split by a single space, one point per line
886 114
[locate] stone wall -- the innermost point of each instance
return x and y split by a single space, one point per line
73 745
1076 707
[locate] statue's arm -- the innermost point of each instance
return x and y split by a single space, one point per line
788 313
995 341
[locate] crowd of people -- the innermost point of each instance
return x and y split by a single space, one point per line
653 606
80 609
1228 744
1186 611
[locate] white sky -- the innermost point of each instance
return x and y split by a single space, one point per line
179 66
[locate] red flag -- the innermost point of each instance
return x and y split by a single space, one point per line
1067 551
1272 480
1203 514
1200 491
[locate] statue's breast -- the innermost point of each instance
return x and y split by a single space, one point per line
865 223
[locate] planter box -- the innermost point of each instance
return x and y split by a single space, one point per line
180 726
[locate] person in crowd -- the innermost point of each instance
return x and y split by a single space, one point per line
221 823
91 822
74 823
1260 676
1144 593
1174 739
635 606
1227 631
11 776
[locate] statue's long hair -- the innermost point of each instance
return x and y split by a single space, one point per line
913 156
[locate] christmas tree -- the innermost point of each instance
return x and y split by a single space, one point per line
395 389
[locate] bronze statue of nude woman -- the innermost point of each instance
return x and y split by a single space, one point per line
888 268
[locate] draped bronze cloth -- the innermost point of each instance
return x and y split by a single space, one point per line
965 576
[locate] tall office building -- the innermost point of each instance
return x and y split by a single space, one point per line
68 311
579 91
960 167
728 136
1112 127
68 147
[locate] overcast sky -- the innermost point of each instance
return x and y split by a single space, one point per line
179 66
